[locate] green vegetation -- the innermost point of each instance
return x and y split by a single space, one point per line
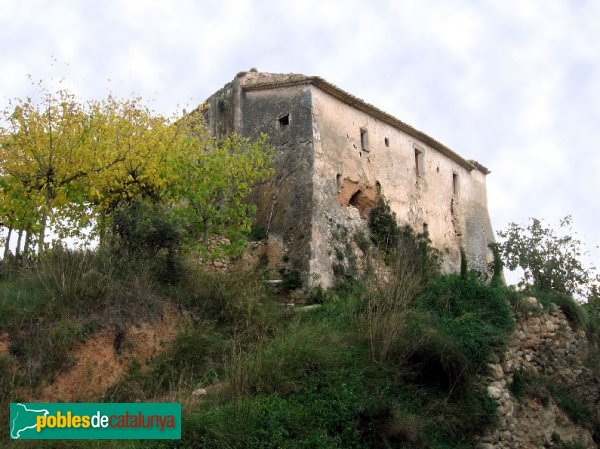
550 260
387 361
378 364
75 166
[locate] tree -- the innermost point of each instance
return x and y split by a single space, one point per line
213 180
72 164
550 260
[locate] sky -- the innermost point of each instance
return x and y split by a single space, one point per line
513 84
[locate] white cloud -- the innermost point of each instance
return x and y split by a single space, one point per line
513 84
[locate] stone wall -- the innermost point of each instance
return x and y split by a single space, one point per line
545 347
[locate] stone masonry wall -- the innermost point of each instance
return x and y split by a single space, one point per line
543 344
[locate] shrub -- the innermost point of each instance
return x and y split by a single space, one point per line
383 226
45 350
74 277
283 364
20 298
518 386
239 299
458 324
142 229
387 307
401 242
497 266
550 261
576 314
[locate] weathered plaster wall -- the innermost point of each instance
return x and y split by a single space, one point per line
427 199
325 181
285 201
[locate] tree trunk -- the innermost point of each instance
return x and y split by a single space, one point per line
7 244
18 250
42 233
27 244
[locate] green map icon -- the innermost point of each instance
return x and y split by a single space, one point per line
23 419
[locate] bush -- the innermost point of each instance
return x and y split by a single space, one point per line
74 277
283 364
383 226
238 299
20 298
518 386
456 326
401 242
388 303
142 229
550 261
321 416
576 314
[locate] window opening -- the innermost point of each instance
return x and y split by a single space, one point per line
364 139
284 120
455 184
418 162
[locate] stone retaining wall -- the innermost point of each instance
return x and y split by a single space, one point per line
544 345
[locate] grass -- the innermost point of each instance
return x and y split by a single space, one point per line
19 298
374 366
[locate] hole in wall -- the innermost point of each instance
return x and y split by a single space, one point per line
284 120
387 142
357 194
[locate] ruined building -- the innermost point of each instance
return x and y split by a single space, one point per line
334 154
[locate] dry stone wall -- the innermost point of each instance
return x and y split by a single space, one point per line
545 346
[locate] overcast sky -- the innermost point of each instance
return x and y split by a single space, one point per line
514 84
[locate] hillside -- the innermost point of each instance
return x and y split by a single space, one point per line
413 360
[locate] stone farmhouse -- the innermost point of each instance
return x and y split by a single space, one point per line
334 155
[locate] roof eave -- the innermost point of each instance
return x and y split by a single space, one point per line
359 104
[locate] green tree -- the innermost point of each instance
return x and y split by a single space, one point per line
550 260
212 181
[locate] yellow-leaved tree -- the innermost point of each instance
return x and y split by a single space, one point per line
71 164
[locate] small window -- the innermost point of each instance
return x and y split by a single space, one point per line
425 229
284 120
419 162
387 142
364 139
455 185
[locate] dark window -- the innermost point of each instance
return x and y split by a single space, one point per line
455 186
364 139
387 142
419 162
284 120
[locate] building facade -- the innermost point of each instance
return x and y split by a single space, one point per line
334 155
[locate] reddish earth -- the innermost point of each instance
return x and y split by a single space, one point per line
98 365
